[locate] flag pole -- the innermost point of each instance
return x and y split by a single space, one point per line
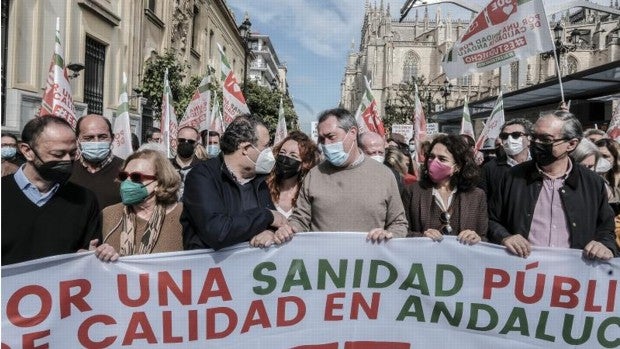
557 69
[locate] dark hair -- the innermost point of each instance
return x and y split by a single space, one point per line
242 129
467 176
150 131
346 121
6 134
612 146
205 133
309 155
469 140
135 142
33 128
525 123
79 122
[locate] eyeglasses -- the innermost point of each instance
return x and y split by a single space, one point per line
504 135
444 218
546 140
136 177
185 140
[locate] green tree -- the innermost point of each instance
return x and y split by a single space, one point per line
399 110
265 103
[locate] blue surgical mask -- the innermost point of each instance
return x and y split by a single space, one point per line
133 193
95 151
213 150
8 152
334 152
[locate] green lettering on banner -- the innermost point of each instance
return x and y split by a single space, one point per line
517 321
441 308
600 335
474 315
374 271
439 279
416 272
417 311
325 269
567 330
542 326
269 280
297 267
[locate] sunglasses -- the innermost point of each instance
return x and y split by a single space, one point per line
136 177
514 135
444 218
185 140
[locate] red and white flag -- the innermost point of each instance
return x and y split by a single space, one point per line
216 122
57 98
168 122
467 128
281 131
614 125
197 112
494 123
233 101
504 31
367 116
122 128
419 126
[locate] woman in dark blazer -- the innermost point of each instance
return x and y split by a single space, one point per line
446 200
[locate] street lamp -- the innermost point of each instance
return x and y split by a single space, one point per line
446 90
561 48
244 31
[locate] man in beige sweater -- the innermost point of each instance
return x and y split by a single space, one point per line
348 191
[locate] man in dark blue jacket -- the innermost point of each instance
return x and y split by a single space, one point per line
551 201
226 199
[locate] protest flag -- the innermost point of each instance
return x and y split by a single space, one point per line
493 124
168 121
197 111
57 98
233 101
419 126
367 116
122 129
281 131
466 126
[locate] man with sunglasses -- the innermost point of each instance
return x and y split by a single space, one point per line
43 214
551 201
187 138
514 140
97 167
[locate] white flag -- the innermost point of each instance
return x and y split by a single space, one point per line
494 123
419 126
233 103
197 112
216 124
57 98
122 128
467 127
168 123
505 31
281 131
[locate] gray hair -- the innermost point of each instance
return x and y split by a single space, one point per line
346 121
585 149
527 124
594 131
571 127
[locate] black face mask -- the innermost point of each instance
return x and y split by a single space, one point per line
55 171
542 154
185 150
287 167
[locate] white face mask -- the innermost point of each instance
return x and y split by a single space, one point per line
265 161
379 158
513 146
603 166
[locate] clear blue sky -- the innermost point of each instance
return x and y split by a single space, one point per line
314 37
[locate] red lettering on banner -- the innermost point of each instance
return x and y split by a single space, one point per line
66 299
257 307
29 338
330 306
212 332
12 306
318 346
590 297
143 287
358 301
300 314
167 324
214 277
192 325
376 345
139 319
490 283
558 292
166 282
611 295
4 346
84 329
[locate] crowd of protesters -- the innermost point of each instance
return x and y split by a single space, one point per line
547 183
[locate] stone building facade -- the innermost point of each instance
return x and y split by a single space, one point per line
391 53
107 37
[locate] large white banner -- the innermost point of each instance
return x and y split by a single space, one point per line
321 290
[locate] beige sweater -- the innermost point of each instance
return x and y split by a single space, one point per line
360 198
170 238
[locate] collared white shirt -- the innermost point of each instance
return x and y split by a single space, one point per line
31 191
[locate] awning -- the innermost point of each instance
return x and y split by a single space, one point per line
600 81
